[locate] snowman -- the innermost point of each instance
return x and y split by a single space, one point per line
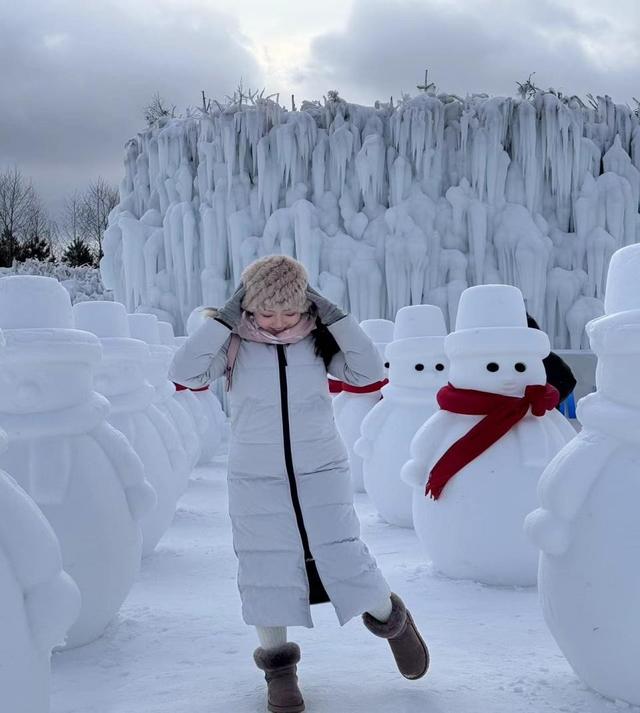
353 403
417 369
120 378
197 418
476 462
38 601
144 327
82 472
588 527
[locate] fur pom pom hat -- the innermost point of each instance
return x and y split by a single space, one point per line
275 282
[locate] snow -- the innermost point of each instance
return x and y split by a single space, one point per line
82 283
474 529
38 601
586 526
386 206
180 646
350 409
80 471
120 377
417 369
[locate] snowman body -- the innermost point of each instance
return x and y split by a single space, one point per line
587 527
179 434
80 471
351 405
38 601
474 530
417 370
350 410
120 378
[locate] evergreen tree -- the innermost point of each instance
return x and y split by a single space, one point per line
78 253
9 247
34 248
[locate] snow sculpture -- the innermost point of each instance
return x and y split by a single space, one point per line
373 199
587 527
120 377
182 440
38 600
417 370
472 493
81 471
353 403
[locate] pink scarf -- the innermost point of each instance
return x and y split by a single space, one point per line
249 330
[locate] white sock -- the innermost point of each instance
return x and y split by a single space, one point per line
382 612
272 636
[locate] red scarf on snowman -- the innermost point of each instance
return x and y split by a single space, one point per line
501 413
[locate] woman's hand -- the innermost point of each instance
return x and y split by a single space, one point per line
231 312
327 311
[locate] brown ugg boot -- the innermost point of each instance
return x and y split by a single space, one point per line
408 647
279 666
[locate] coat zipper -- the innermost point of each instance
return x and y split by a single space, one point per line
288 458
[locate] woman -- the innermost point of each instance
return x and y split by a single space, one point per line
295 531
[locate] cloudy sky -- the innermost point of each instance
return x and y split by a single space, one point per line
75 75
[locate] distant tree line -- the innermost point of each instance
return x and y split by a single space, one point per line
27 231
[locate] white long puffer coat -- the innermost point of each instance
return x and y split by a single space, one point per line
290 493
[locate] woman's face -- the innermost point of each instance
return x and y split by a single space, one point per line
275 321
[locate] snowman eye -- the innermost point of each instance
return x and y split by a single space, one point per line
492 366
419 367
439 367
386 365
520 367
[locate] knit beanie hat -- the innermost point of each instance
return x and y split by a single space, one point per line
275 282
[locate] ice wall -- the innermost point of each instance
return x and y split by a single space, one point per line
386 206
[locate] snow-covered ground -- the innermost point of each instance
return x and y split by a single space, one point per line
180 645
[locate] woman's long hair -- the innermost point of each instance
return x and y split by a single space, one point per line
326 346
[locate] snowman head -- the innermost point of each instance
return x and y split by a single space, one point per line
492 349
615 337
123 358
380 332
418 363
416 357
46 364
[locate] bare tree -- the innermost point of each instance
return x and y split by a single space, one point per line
72 217
17 200
156 109
96 203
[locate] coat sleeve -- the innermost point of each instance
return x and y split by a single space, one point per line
358 362
203 357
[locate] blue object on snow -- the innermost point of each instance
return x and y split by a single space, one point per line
568 406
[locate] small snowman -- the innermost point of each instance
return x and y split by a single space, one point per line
82 472
417 369
588 527
144 326
120 377
38 600
476 462
185 397
353 403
